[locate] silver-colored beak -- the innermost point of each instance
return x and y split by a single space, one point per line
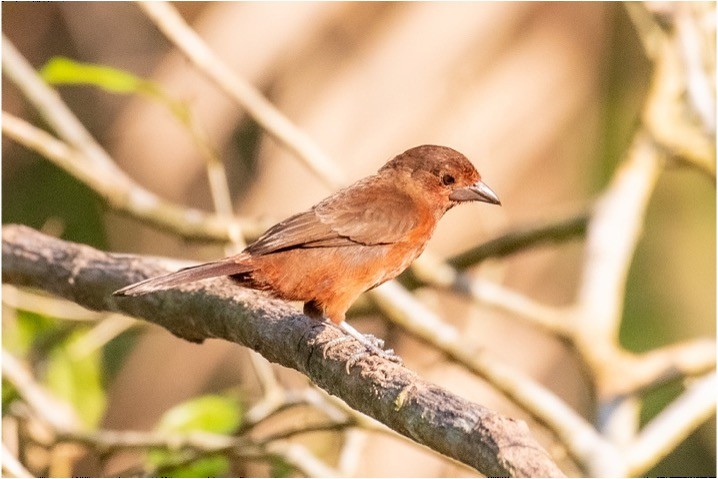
476 192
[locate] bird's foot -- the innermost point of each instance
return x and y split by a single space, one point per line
372 344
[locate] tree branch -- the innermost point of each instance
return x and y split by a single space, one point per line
12 465
673 425
394 395
523 237
82 157
171 23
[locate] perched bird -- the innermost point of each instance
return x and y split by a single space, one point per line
352 241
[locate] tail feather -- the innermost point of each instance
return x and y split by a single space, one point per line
185 275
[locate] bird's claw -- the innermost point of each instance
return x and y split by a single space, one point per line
330 344
388 354
374 341
372 345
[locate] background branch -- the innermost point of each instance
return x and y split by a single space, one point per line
171 23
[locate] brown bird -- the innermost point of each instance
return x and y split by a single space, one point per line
353 241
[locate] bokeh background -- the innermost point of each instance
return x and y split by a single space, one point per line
542 97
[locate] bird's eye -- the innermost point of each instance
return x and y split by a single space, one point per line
448 179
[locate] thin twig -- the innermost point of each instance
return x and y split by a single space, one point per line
430 271
105 441
46 305
672 425
11 464
306 429
102 333
524 237
60 415
62 418
54 111
122 194
171 23
652 369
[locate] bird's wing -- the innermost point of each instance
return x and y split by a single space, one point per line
351 216
379 215
298 231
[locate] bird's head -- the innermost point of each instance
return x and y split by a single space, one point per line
440 174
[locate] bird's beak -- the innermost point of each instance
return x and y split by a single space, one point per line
476 192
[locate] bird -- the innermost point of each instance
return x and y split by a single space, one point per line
350 242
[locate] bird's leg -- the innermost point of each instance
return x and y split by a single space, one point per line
372 344
315 311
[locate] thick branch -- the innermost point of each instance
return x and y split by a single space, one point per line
495 445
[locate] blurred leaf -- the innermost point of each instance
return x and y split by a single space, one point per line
9 394
211 413
78 380
64 71
20 336
280 468
215 465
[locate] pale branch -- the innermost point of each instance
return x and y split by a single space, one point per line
82 157
652 369
696 44
555 320
673 425
428 270
124 195
53 110
12 465
57 413
666 113
613 235
108 441
46 305
273 121
394 395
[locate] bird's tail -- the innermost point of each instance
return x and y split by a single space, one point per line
225 267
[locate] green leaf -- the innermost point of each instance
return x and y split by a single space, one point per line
77 379
280 468
64 71
214 465
27 331
9 394
211 413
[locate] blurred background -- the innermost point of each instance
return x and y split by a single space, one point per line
542 97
